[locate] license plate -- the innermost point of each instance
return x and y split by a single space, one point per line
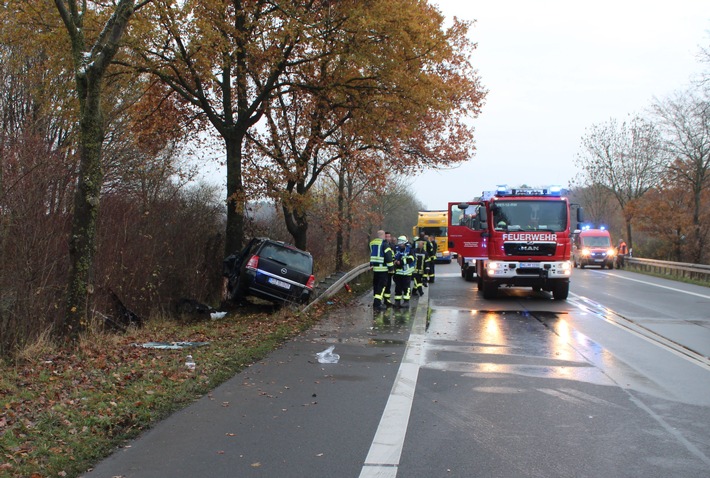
279 283
439 254
529 265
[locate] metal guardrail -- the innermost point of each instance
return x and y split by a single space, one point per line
683 270
339 284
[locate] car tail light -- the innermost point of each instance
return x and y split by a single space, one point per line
311 282
253 262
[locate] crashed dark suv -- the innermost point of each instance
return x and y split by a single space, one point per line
271 270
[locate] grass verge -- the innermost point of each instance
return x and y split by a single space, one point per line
61 411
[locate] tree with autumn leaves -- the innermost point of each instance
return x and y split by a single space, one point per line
305 86
282 82
388 91
73 130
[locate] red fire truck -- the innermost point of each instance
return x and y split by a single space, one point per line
514 237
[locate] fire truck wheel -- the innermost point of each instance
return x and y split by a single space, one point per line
560 291
490 290
469 274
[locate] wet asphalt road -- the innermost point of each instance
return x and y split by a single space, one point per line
521 386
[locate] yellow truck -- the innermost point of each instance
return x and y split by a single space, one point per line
434 223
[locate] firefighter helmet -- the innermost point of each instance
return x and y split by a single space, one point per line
401 239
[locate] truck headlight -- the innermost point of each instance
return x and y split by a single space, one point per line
493 267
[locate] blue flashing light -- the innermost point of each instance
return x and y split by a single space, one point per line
602 228
502 190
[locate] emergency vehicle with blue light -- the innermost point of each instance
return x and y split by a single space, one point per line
516 237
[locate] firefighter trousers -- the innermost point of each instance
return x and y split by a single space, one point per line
379 281
402 288
417 284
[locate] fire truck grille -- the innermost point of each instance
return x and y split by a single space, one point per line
530 248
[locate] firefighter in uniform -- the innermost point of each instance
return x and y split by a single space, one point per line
419 268
403 269
431 257
381 262
388 287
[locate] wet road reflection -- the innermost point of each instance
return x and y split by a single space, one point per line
539 344
392 318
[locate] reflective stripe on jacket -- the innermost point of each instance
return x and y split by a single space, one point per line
380 255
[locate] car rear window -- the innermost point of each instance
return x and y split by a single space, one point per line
291 257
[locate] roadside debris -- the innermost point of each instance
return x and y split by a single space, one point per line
217 315
327 356
190 362
171 345
191 309
123 317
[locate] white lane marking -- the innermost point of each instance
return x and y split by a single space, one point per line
621 322
655 285
386 448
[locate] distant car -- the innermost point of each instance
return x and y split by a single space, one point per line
271 270
592 247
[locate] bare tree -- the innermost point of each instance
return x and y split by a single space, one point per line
625 158
704 57
684 120
598 202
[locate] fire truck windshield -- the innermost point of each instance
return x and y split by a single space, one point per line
516 215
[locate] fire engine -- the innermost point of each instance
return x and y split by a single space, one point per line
514 237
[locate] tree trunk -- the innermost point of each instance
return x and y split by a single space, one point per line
339 240
297 225
236 199
629 241
89 75
697 252
86 209
349 214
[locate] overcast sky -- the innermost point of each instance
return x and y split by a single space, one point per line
556 67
